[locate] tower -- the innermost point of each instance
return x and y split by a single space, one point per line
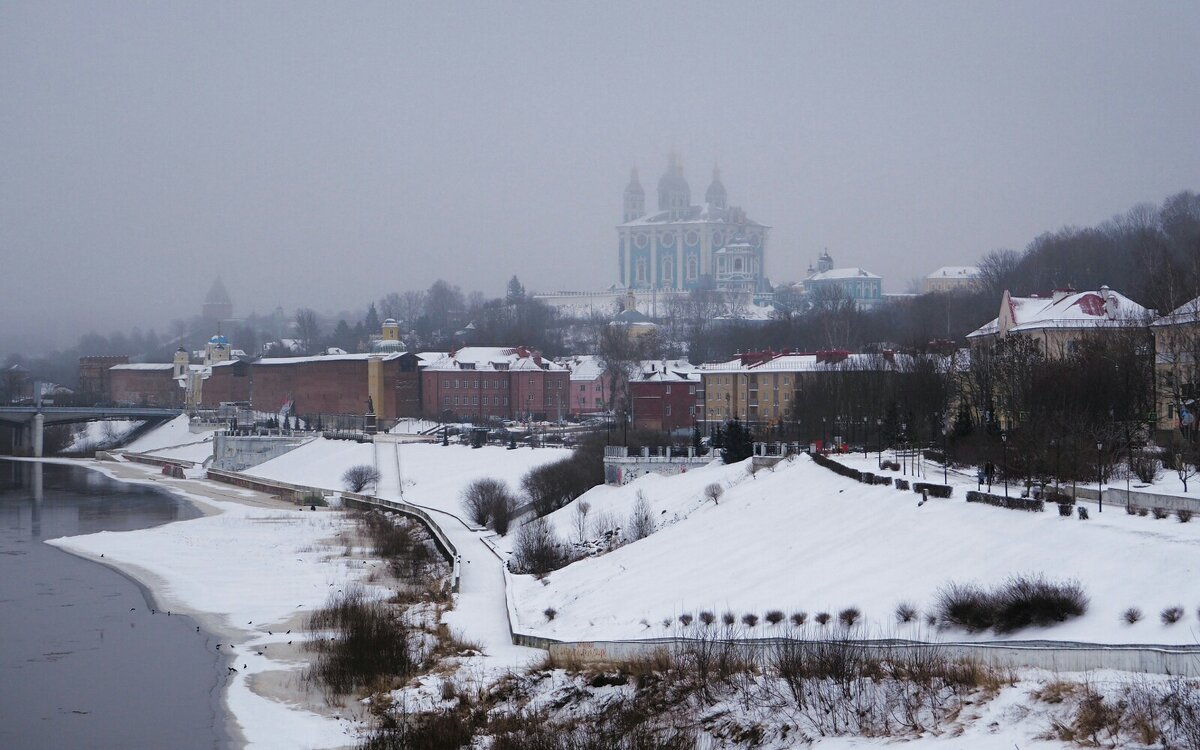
216 350
715 195
674 195
181 363
217 305
635 198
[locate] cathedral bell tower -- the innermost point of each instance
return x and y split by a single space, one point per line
635 198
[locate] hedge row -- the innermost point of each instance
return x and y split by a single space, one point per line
872 478
834 466
901 484
934 490
1012 503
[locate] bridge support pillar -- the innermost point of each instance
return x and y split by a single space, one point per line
37 431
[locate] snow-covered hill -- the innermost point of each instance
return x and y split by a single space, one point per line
801 538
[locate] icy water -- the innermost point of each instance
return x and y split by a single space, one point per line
83 662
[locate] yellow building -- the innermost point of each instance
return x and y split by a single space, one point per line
1177 367
951 279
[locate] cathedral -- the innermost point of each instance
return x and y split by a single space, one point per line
682 246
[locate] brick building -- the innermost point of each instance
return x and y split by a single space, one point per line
483 382
95 377
667 396
334 384
591 385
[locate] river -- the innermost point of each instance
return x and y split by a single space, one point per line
84 663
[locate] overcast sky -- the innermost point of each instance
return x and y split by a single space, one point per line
325 154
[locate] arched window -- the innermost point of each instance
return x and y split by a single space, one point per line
692 268
641 271
668 269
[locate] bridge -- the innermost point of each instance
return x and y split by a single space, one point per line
28 422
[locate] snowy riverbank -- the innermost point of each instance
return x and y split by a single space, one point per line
249 571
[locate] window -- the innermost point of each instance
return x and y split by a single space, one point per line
485 401
691 411
477 384
445 400
582 388
531 381
456 400
667 410
456 382
506 400
475 401
691 268
668 389
641 270
691 390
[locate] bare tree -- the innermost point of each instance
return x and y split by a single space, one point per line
641 520
308 329
358 477
713 492
480 498
582 508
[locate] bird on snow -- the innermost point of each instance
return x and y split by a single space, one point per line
133 609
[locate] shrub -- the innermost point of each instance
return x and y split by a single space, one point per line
749 619
551 486
799 618
358 477
849 616
686 619
708 618
1184 515
1130 510
641 522
550 613
931 619
901 484
823 618
774 617
369 642
1012 503
729 618
1142 512
1018 603
1171 615
1131 615
1160 513
479 498
1082 512
1064 509
934 490
538 549
504 505
965 606
906 612
1032 600
713 492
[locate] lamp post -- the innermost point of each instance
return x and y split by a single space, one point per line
879 441
1099 475
1004 441
824 436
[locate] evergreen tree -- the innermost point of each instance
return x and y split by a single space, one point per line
372 322
516 292
738 443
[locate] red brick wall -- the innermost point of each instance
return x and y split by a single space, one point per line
651 399
145 387
508 394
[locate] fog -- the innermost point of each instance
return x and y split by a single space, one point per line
322 155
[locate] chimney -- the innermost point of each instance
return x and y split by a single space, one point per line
1111 303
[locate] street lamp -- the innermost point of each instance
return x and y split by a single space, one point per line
1004 440
1099 475
879 441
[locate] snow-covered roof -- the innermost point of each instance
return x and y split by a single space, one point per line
494 358
667 371
955 272
810 362
308 360
842 273
1065 309
632 317
144 366
584 367
1189 312
702 214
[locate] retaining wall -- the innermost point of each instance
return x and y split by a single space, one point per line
1062 657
